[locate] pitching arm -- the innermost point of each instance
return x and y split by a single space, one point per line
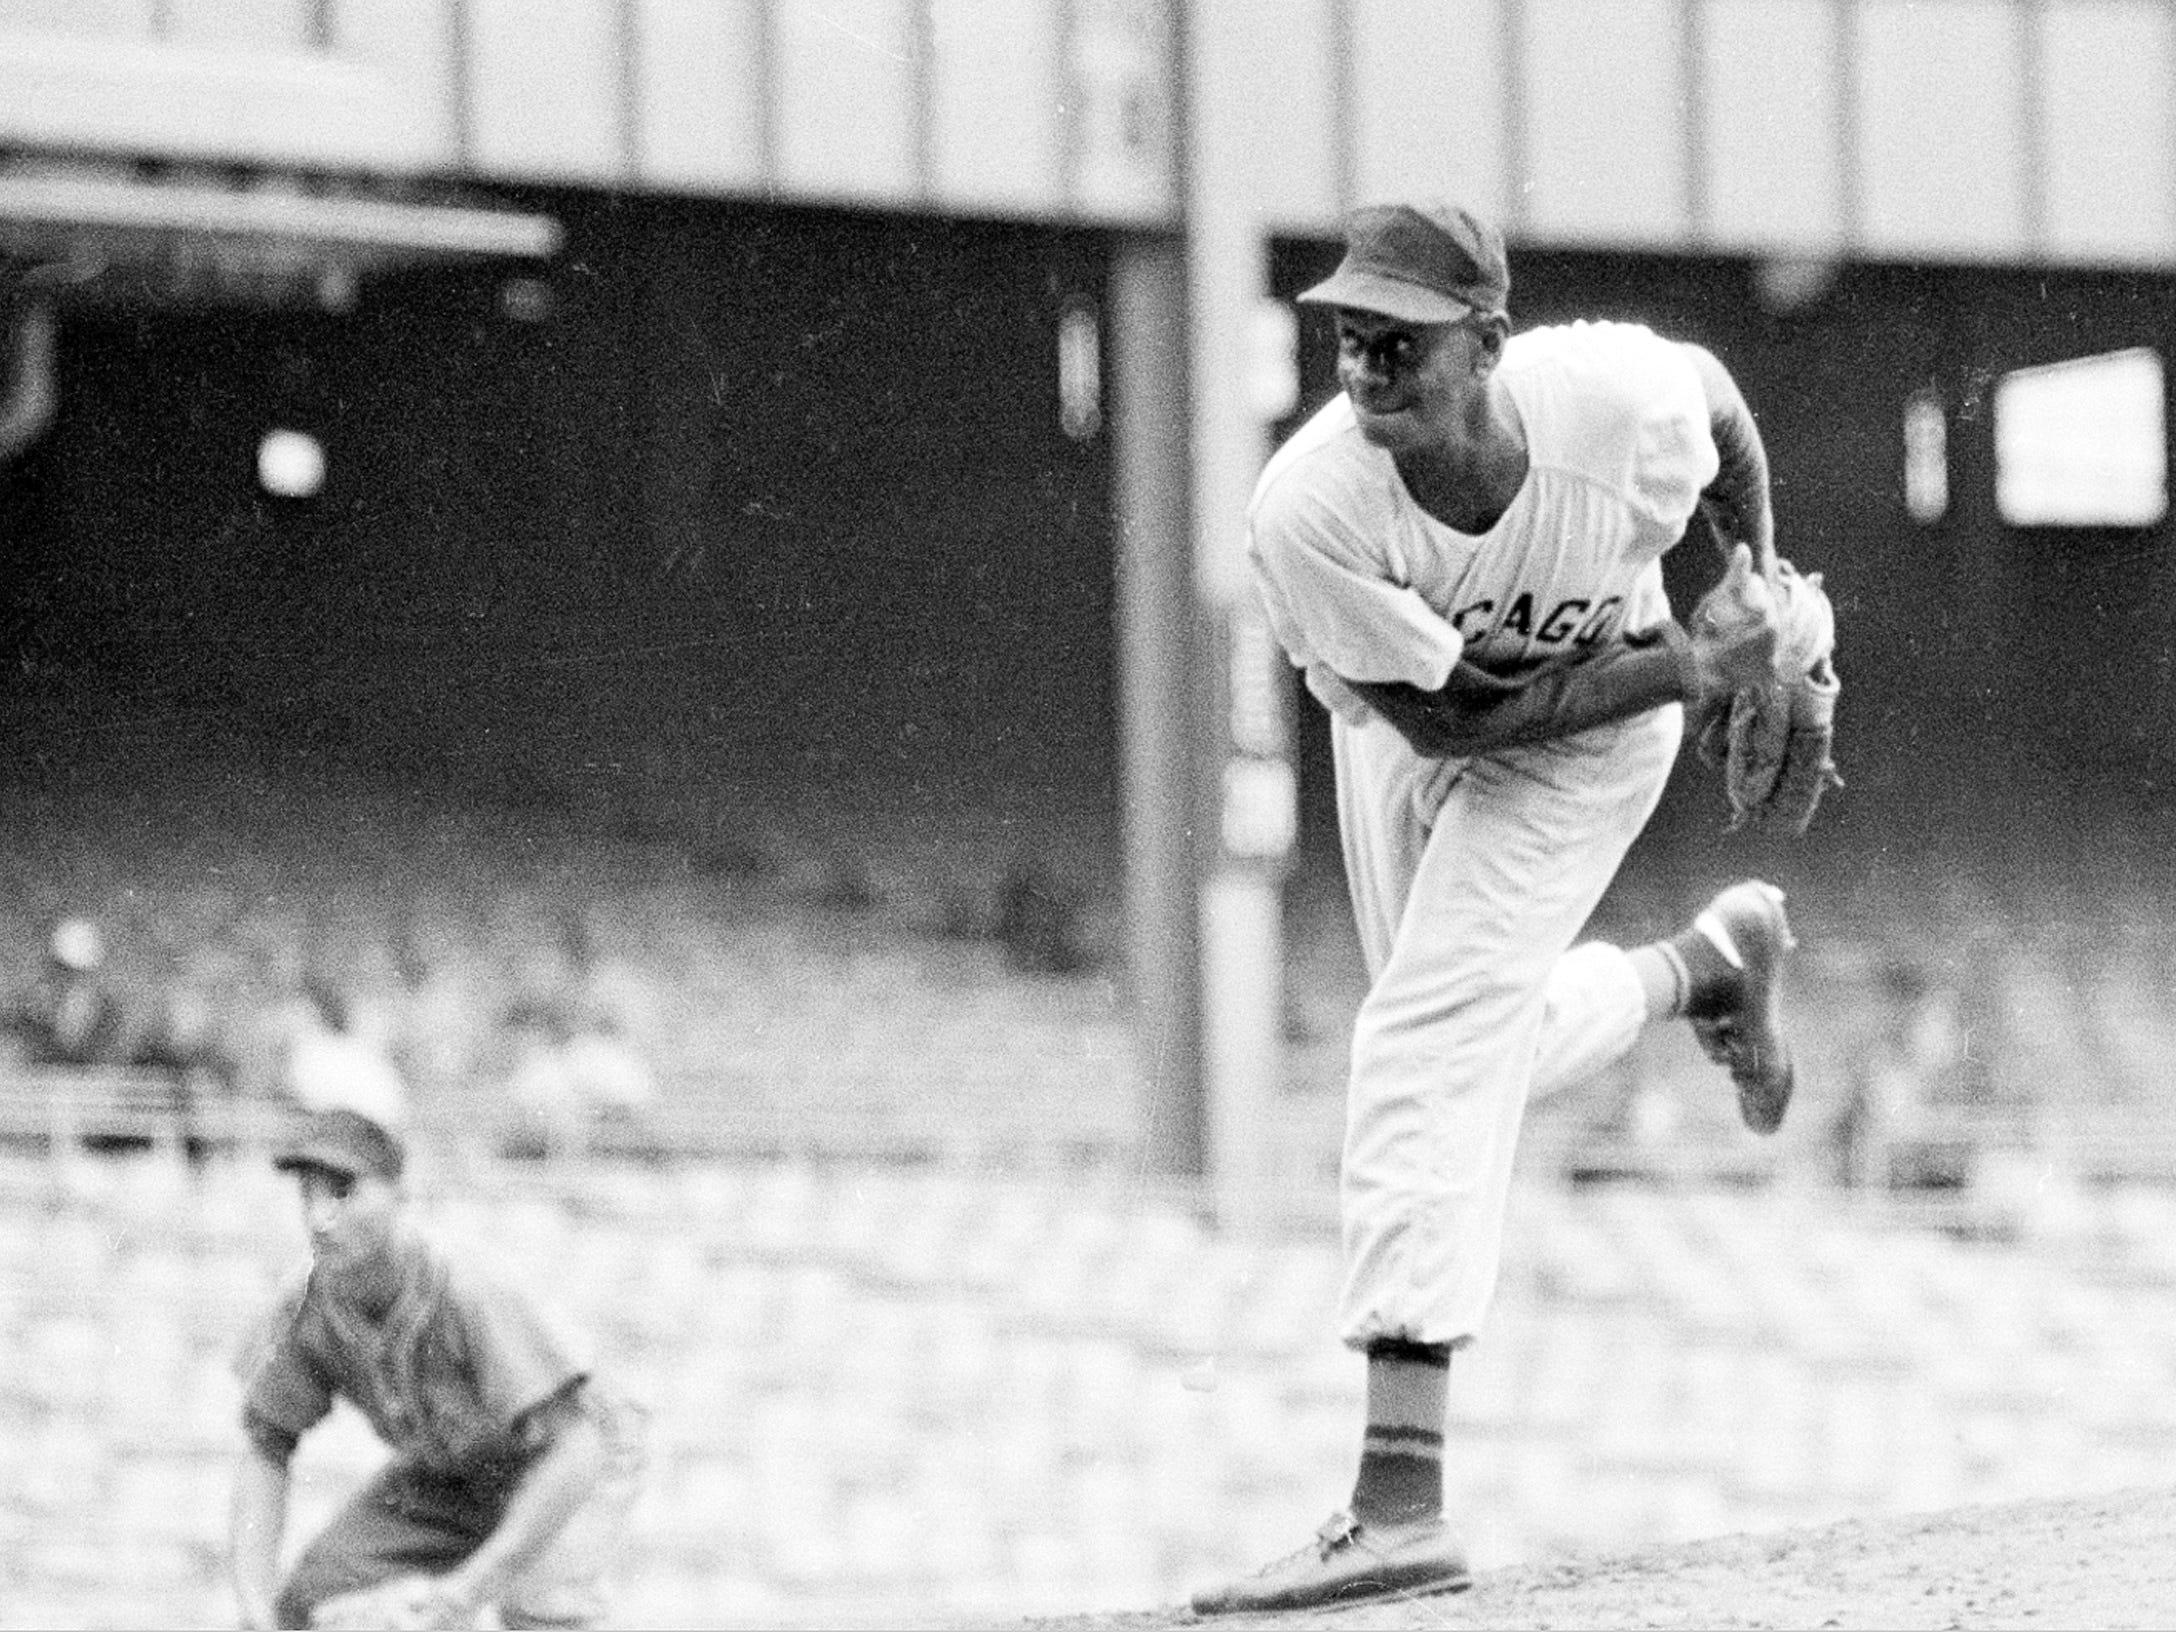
1478 713
1732 643
1736 503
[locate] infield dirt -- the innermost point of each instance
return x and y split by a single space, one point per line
2102 1561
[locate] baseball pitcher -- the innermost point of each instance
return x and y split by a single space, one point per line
1463 553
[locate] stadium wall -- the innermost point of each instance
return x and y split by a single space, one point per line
747 495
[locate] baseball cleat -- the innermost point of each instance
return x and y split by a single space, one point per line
1349 1563
1738 1021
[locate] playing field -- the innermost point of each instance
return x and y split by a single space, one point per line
883 1393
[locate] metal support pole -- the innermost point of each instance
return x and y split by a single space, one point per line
1209 798
1248 782
1159 683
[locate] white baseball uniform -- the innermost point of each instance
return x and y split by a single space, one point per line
1470 878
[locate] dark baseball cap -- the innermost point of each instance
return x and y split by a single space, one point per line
343 1142
1419 263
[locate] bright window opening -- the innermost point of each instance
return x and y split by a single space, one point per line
2083 443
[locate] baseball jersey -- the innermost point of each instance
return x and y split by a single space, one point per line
1360 583
444 1377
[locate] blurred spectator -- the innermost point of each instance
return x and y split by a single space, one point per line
1890 1132
331 1065
1040 922
446 1020
575 1077
185 1042
577 1082
70 1015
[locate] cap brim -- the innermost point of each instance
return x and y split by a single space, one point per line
319 1159
1391 297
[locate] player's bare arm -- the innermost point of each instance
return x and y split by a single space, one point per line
256 1522
1475 712
1736 503
568 1467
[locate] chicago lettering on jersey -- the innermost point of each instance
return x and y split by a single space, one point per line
1578 620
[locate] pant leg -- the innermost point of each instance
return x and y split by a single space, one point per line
1592 1013
1596 1007
1387 799
403 1522
1502 861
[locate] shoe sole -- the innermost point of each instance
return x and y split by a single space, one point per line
1764 1096
1358 1594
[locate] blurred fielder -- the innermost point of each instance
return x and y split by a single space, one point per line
1463 552
513 1468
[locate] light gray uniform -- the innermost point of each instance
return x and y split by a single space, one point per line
1471 878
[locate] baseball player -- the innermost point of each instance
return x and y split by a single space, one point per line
1462 551
513 1469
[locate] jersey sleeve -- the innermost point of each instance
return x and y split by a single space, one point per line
519 1356
1674 454
281 1384
1333 600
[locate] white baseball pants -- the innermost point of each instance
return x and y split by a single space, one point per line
1470 880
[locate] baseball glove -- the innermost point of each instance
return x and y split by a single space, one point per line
1773 741
406 1603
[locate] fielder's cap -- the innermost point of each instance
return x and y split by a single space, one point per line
344 1142
1419 263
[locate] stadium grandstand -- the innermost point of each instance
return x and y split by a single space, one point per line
717 520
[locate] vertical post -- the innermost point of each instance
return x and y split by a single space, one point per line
1249 784
1242 910
1159 682
1210 806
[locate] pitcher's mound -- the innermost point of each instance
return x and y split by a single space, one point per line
2101 1561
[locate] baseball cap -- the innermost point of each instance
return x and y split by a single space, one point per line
1420 263
346 1142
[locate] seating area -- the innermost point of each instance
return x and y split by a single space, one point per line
848 986
783 986
915 1327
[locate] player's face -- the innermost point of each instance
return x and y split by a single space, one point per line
350 1218
1410 383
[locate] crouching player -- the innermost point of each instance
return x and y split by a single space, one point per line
513 1467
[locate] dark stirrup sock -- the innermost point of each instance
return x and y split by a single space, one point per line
1401 1453
1710 960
